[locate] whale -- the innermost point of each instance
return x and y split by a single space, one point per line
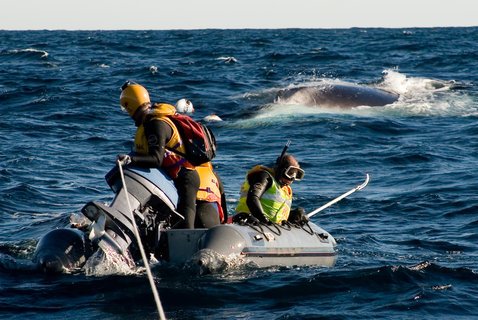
330 95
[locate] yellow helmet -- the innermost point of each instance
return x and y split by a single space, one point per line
133 96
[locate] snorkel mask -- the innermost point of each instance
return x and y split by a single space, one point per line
294 173
290 173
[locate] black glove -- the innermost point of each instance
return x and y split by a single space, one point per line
260 217
240 217
298 216
124 159
243 218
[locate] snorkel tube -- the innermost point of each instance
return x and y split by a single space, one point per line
279 160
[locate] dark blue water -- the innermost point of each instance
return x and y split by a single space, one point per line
408 242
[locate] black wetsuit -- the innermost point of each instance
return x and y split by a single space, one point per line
158 133
259 183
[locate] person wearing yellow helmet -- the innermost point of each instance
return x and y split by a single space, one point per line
156 135
134 99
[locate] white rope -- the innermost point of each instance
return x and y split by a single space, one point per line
162 316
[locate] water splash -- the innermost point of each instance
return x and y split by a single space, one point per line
108 262
209 261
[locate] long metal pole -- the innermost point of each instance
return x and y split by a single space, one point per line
328 204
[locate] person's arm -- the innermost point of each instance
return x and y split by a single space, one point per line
259 182
157 133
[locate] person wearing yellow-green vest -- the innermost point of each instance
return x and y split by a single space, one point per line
266 193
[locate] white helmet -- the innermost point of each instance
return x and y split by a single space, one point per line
184 106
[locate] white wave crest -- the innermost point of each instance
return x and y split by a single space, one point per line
153 69
421 96
227 59
29 50
410 86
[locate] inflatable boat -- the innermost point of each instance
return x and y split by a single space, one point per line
153 198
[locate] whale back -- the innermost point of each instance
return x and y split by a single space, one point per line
336 96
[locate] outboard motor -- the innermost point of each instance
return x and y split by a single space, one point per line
153 198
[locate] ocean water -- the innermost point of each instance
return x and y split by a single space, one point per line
408 242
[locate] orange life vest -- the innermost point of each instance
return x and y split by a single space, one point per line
209 187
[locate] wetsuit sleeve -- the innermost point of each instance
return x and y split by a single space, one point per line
259 182
157 133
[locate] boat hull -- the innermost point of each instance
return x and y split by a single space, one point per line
261 245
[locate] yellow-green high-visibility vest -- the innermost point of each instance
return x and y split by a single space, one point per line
276 201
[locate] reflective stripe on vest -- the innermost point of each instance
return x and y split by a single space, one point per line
209 187
276 201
